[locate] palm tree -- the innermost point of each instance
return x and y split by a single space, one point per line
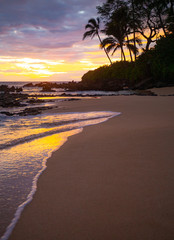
118 30
117 33
111 43
94 26
133 11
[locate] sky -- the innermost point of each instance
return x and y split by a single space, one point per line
41 40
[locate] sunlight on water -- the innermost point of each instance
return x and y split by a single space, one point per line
18 167
25 145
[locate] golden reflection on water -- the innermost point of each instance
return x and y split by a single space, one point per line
18 167
61 97
29 156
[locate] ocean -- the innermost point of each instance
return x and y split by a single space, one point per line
26 143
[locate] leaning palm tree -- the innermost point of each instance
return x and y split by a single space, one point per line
94 26
116 36
111 43
118 31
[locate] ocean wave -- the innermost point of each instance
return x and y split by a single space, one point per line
33 136
65 122
62 127
20 130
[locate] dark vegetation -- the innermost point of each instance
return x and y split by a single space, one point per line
153 68
125 24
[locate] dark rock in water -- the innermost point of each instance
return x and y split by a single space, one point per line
12 103
29 85
63 94
35 100
7 113
29 111
12 99
6 89
72 99
47 89
32 111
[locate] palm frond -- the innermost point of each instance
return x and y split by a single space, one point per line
131 47
98 21
90 33
93 22
137 40
89 26
115 49
93 34
108 40
110 47
109 44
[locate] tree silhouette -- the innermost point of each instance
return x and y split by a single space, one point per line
93 27
118 30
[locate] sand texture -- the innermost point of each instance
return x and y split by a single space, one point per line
113 181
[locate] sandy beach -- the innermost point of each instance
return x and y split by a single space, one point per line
113 180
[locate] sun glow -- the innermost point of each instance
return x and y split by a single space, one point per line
21 69
35 69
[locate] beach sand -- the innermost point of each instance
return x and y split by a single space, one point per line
112 181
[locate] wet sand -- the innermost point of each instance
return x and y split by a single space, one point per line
112 181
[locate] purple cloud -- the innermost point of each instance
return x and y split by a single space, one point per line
46 29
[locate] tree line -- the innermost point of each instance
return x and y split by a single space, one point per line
126 22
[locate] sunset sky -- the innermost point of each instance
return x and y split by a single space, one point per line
41 40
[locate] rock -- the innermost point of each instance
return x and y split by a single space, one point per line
12 99
7 113
47 89
29 85
35 100
32 111
72 99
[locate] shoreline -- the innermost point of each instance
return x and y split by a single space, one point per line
29 198
61 134
67 199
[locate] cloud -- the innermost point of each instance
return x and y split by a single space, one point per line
43 23
53 15
47 30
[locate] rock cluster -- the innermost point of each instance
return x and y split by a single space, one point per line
6 88
12 100
27 111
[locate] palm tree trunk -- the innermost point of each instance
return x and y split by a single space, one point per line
104 49
129 49
122 51
134 27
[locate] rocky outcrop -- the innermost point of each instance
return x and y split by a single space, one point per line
6 89
27 111
12 100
